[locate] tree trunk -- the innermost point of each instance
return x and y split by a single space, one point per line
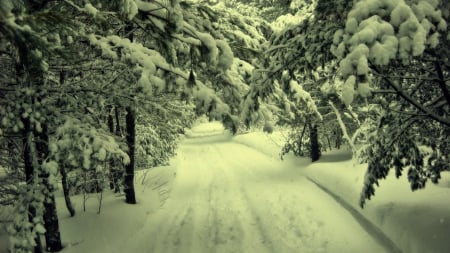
52 234
130 197
65 186
28 69
117 114
314 142
29 171
338 138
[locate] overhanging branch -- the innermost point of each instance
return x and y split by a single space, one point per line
411 100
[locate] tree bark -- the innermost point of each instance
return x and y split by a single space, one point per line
130 196
314 142
52 234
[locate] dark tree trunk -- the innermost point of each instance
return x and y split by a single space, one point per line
130 197
29 171
52 234
338 138
110 119
111 165
314 142
66 190
117 114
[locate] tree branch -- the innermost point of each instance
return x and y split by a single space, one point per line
441 81
412 101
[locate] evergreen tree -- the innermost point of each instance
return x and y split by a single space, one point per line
391 54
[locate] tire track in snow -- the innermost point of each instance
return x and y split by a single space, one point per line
202 220
176 231
234 227
163 240
374 231
254 216
279 229
210 199
293 226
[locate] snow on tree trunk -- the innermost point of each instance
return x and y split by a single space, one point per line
62 170
116 170
130 197
52 234
29 175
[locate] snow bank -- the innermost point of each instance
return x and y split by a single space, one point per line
89 231
92 232
416 221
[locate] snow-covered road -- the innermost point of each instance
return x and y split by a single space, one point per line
227 197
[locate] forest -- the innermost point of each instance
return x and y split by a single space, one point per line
93 92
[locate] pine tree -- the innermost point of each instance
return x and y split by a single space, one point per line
391 54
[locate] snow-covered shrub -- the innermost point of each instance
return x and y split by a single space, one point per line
85 153
22 231
157 134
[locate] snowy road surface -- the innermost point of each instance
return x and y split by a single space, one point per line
229 198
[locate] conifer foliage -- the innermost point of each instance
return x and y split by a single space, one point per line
394 54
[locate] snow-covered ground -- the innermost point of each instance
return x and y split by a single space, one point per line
416 222
233 194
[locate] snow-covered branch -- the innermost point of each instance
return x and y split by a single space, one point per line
399 91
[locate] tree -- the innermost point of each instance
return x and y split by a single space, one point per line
391 53
25 99
295 66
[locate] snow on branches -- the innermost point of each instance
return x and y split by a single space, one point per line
78 145
380 32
